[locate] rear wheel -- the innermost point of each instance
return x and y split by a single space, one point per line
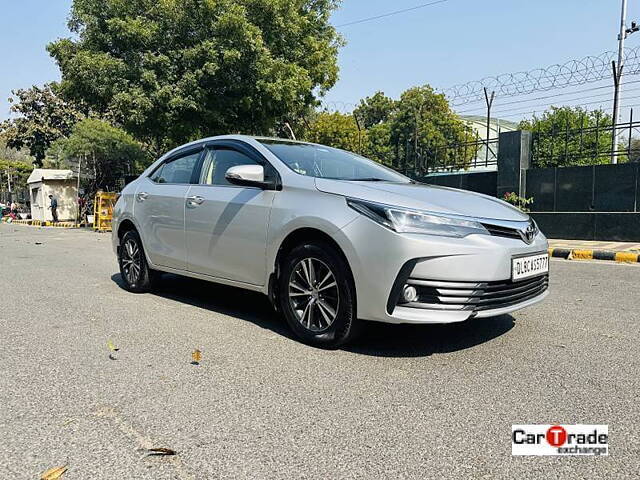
135 271
317 296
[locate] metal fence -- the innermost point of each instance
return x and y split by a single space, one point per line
587 144
476 154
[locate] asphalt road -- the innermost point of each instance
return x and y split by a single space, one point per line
402 402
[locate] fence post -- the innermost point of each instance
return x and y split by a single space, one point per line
514 158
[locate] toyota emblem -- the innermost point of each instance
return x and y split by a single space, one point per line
529 233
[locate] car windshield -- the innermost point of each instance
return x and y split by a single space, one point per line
326 162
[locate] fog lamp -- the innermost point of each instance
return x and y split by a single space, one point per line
409 293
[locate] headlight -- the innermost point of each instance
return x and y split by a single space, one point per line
411 221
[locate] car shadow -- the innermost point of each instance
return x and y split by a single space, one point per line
377 339
407 340
235 302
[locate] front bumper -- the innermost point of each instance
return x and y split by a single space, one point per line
382 261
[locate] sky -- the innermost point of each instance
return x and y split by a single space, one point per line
449 43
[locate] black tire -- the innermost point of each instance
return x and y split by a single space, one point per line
308 314
140 279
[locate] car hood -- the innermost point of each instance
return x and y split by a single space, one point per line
431 198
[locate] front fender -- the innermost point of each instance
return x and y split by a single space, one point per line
324 212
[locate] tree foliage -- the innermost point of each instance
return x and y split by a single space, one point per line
379 146
106 153
570 136
8 154
173 70
374 110
415 131
634 150
18 165
19 172
336 130
424 124
42 118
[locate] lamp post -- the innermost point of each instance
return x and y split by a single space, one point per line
617 74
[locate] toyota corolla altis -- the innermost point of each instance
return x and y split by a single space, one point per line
331 237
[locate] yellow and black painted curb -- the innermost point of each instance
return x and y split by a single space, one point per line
18 222
40 223
63 224
579 254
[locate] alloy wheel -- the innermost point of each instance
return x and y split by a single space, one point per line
313 294
131 261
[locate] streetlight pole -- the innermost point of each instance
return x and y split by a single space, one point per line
617 74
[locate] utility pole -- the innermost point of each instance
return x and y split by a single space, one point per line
617 74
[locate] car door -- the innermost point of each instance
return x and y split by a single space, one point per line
160 204
226 225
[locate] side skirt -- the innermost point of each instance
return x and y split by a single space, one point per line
224 281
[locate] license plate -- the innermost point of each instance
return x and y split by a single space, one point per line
530 266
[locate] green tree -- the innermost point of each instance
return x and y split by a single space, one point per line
17 165
634 151
424 131
42 118
570 136
105 152
336 130
172 70
379 146
18 172
394 130
374 110
14 155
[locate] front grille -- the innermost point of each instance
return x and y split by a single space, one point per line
502 231
475 296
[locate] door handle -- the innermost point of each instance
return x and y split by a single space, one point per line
195 200
142 196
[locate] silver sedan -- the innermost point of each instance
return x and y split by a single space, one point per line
331 237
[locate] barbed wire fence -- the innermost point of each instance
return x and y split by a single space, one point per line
569 74
572 73
338 106
558 80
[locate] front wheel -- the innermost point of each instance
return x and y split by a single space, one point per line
317 296
135 271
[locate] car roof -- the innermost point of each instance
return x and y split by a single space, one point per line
232 137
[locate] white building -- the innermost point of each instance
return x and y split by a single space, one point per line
496 126
478 126
62 184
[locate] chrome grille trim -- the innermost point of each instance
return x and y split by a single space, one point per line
443 295
506 232
527 232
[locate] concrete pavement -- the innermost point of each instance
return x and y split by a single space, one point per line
402 402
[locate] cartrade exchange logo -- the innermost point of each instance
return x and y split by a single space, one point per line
560 440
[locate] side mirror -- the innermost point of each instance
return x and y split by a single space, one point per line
247 176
